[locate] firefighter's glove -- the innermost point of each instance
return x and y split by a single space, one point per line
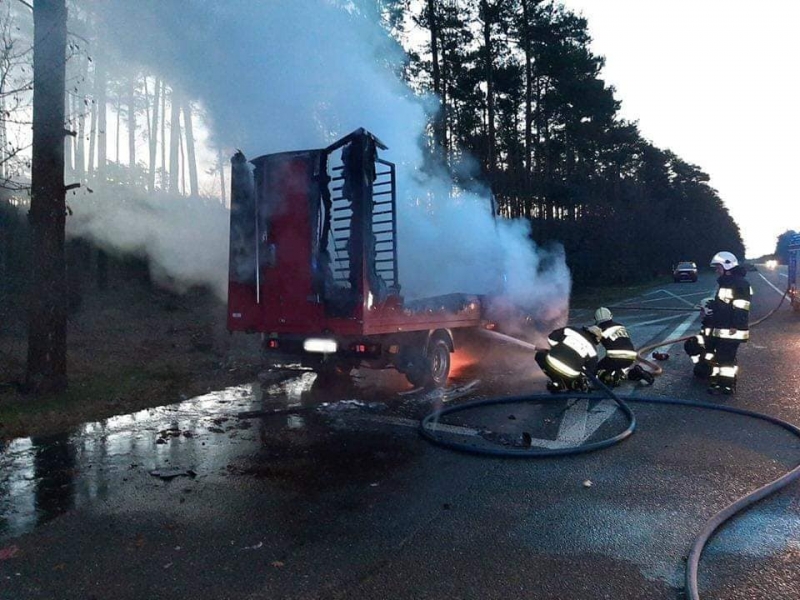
707 307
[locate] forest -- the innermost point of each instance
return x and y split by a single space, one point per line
520 109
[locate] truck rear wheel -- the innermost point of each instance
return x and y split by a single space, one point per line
433 369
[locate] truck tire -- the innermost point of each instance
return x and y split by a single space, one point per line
433 369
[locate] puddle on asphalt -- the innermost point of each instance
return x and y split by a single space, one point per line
307 439
289 428
42 477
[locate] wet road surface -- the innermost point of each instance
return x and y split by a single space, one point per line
285 488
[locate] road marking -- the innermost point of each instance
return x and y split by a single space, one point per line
681 298
769 283
679 331
654 321
413 424
578 424
662 291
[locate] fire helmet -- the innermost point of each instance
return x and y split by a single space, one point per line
725 259
602 314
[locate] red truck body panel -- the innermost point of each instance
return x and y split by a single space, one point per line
277 292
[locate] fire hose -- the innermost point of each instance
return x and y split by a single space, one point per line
428 430
656 369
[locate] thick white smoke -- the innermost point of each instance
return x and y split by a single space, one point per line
284 75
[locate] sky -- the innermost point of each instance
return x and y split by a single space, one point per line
716 82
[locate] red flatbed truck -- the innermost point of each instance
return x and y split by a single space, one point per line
314 268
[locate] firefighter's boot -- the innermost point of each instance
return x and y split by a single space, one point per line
609 378
728 386
637 373
702 370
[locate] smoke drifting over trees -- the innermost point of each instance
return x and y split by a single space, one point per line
484 105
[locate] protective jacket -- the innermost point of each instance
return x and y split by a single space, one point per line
617 343
572 351
730 309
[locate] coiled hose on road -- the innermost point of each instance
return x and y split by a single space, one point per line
428 427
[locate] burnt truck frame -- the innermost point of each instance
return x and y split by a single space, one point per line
314 266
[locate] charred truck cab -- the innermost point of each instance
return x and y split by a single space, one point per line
314 269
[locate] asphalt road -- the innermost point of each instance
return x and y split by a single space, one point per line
282 490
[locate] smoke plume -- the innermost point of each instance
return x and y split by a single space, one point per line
285 75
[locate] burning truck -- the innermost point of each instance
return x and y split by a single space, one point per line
314 267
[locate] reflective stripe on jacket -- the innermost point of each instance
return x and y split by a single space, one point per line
571 352
617 341
731 307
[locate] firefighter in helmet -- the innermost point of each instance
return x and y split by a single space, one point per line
725 325
571 357
619 362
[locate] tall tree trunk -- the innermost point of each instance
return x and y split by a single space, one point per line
80 145
154 137
132 128
182 160
439 119
489 75
194 188
174 143
69 142
47 324
163 134
119 111
3 136
526 18
102 101
92 139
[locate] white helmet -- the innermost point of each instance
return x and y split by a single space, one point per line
602 314
725 259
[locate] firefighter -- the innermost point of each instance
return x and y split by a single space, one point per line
725 325
619 362
571 357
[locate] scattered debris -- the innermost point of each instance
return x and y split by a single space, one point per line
660 355
587 483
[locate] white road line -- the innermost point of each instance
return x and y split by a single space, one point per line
769 283
679 330
654 321
661 291
573 422
412 424
599 415
676 296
